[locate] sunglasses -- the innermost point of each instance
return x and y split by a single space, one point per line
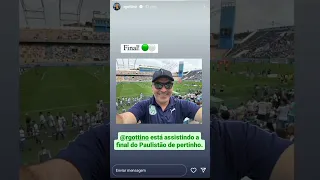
159 85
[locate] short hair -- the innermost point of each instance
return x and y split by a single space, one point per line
225 115
214 110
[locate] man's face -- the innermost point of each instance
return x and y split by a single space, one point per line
117 6
162 90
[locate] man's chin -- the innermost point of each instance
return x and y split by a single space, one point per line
163 99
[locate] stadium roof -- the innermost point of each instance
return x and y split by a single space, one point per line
258 17
168 64
146 66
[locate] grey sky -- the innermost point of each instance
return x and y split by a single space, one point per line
256 14
169 64
251 14
52 11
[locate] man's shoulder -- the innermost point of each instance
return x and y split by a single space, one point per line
239 132
144 102
178 100
101 129
243 145
89 152
97 136
181 101
100 132
248 131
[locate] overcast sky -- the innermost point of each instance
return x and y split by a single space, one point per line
256 14
168 64
251 14
52 11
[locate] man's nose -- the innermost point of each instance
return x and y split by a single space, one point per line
163 89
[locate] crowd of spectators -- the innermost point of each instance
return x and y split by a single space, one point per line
128 78
195 75
137 76
133 72
270 109
62 34
63 45
237 37
41 53
266 44
52 127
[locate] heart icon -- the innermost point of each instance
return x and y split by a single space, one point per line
193 170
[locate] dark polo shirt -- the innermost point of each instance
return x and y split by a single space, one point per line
149 112
237 149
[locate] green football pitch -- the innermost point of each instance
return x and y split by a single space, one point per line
239 88
133 89
75 89
60 89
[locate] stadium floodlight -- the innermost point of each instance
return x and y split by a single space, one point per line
120 64
73 16
126 64
33 13
214 10
132 63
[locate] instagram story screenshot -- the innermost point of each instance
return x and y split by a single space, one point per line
159 118
157 89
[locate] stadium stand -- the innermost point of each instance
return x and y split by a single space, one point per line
137 78
133 72
50 45
133 76
237 37
54 35
266 43
195 75
62 53
264 53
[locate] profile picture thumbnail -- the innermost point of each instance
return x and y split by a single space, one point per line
116 6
